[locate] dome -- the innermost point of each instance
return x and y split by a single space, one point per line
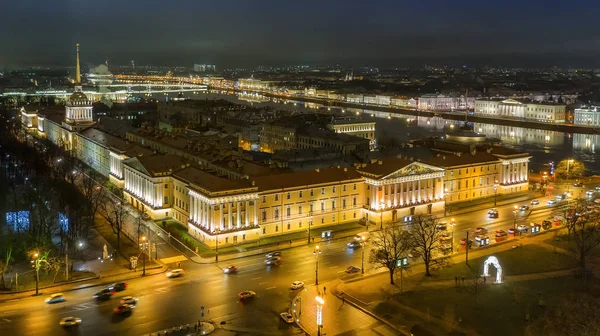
78 98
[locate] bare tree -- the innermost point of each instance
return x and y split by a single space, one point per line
389 246
4 265
476 286
425 238
449 318
578 314
54 264
114 212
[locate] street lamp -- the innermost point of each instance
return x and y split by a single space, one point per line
316 253
445 200
217 246
320 303
568 166
143 246
515 210
381 206
309 224
362 245
495 192
35 263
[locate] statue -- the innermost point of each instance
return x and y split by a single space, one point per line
105 253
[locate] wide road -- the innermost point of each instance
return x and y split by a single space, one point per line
166 303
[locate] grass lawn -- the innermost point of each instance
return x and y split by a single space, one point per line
497 309
523 260
562 242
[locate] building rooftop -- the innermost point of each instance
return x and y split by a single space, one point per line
157 165
384 166
305 178
209 182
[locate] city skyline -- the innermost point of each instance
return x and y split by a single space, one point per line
267 32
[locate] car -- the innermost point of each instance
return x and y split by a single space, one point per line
535 202
54 298
273 254
130 300
352 269
354 244
547 224
297 285
578 184
441 226
597 188
481 230
104 294
500 233
551 202
124 309
230 269
273 261
522 227
413 253
287 317
512 231
589 193
118 287
493 214
175 273
248 294
463 241
444 236
69 321
492 210
446 246
524 207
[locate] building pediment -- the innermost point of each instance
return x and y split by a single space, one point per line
415 168
511 101
137 165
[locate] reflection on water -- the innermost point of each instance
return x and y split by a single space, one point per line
543 145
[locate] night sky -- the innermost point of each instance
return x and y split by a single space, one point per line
232 33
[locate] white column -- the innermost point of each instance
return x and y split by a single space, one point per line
247 213
414 191
229 215
388 200
237 213
256 212
395 194
202 214
220 214
376 188
192 204
372 205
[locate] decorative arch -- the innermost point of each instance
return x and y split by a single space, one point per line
486 266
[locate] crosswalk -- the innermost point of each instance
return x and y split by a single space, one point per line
175 259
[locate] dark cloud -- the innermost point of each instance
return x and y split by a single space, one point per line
240 32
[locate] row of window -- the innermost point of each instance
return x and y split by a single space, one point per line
311 191
311 208
289 225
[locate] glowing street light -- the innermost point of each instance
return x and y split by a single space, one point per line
316 253
320 303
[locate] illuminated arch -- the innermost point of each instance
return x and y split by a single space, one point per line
494 261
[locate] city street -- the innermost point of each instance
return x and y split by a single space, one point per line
166 303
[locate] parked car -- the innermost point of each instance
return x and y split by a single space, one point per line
118 287
248 294
500 233
444 237
547 224
352 269
104 294
535 202
446 246
176 273
273 254
124 309
69 321
512 231
463 241
287 317
297 285
55 298
522 227
230 269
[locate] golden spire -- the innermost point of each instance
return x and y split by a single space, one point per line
77 69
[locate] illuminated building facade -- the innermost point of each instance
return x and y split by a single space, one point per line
542 112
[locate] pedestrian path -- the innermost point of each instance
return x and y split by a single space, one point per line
173 260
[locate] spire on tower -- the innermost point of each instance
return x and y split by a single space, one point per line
77 69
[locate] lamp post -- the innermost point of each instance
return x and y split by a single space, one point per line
309 224
495 192
568 166
381 205
515 210
35 263
316 253
217 246
445 200
362 266
143 246
452 223
320 303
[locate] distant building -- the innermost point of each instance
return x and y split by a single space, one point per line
253 84
204 67
358 128
441 102
587 115
543 112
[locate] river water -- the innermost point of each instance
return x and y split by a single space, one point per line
544 146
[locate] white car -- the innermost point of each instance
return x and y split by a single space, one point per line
297 285
70 321
129 300
522 227
175 273
551 202
54 298
535 202
287 317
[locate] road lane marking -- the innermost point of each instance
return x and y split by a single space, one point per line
7 320
263 283
342 271
257 278
333 266
13 300
270 288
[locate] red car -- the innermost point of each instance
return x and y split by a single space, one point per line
463 241
500 233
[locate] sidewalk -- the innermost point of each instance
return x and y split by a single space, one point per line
338 316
